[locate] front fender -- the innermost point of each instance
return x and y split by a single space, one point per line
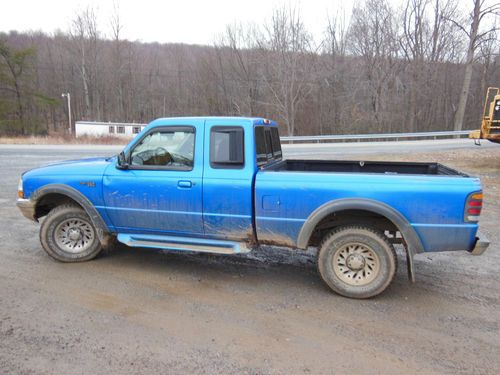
78 197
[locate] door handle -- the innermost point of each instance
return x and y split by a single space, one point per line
184 184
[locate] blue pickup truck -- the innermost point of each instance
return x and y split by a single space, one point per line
221 185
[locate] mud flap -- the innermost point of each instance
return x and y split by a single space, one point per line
409 264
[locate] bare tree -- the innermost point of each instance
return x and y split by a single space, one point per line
119 61
85 35
373 37
414 49
442 44
290 58
476 37
242 63
376 70
336 33
332 86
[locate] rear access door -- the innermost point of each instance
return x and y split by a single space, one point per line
228 179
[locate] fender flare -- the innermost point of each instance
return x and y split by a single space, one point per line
78 197
414 245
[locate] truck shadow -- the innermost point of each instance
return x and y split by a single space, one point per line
294 267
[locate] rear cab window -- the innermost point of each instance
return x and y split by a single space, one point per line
267 145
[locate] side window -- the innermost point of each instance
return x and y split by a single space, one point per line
165 148
227 147
276 143
267 144
260 145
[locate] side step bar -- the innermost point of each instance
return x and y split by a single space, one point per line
183 243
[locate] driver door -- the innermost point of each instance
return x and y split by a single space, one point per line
161 190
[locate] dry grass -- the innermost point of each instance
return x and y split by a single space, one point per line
64 139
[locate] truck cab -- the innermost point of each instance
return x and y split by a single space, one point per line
187 177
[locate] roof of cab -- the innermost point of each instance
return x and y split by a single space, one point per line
253 120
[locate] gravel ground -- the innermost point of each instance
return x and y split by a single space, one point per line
144 311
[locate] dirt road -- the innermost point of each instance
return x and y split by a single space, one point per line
142 311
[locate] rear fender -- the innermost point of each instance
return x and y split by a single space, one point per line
411 238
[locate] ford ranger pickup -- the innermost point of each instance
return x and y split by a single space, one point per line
221 185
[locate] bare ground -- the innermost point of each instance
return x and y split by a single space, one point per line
143 311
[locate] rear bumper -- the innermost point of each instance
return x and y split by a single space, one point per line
480 246
27 208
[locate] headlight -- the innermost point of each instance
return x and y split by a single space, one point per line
20 192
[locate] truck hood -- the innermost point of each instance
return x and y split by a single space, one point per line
87 166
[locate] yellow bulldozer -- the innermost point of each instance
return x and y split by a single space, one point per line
490 124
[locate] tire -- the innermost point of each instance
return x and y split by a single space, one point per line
357 261
68 235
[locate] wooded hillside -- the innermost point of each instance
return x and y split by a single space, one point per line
422 66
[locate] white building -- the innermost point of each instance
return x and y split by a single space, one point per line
100 129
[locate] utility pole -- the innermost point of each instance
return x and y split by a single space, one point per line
68 97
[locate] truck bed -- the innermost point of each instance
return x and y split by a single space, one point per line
380 167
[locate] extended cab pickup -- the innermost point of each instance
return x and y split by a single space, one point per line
220 185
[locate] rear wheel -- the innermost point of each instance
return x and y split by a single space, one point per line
68 235
357 261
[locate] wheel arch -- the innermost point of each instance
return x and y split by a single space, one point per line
413 243
52 195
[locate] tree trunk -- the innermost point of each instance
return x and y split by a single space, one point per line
459 115
20 107
86 93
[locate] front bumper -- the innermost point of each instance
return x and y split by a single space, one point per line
480 246
27 208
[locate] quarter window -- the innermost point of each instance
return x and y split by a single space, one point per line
267 144
168 148
276 143
227 147
260 145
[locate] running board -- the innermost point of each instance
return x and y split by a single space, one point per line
183 243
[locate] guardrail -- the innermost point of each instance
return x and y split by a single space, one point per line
358 137
301 138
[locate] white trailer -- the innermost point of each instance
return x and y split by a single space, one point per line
100 129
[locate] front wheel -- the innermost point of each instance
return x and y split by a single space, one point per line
68 235
357 261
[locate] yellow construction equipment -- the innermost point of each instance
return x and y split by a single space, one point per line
490 124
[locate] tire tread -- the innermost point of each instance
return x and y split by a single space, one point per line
380 235
51 216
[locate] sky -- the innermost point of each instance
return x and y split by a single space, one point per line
186 21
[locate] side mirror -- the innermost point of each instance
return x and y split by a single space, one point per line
122 161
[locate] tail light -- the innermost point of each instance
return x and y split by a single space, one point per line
473 206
